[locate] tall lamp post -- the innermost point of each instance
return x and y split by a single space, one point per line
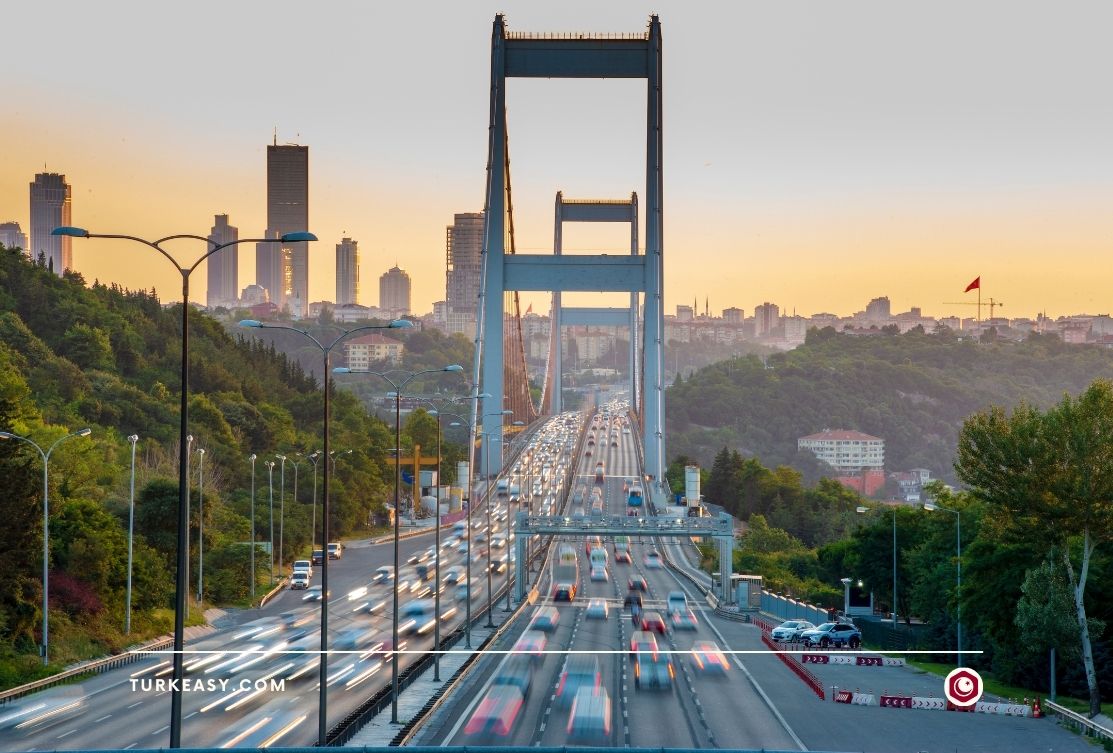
845 596
270 498
313 458
509 530
437 553
281 507
182 582
398 387
45 455
326 352
864 510
931 506
200 524
188 502
296 463
134 438
252 459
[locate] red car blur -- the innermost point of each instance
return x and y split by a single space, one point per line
653 622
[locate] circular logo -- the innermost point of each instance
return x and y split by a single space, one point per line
963 687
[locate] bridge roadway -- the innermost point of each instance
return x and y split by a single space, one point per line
700 711
115 715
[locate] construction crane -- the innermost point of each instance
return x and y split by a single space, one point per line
991 303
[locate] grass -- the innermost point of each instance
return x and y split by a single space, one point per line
997 688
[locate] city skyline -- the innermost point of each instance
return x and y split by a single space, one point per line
810 184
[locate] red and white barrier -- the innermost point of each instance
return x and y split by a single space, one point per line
852 660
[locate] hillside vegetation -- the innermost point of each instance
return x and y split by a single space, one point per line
912 390
73 356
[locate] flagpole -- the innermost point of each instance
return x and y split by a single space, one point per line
979 299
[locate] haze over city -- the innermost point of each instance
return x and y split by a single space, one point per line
816 156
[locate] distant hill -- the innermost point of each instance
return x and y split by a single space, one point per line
913 390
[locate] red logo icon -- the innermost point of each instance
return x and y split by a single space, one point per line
963 687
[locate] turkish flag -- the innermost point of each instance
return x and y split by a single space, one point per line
977 283
530 309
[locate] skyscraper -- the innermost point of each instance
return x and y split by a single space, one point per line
50 208
394 291
284 272
767 317
464 267
11 236
224 265
347 272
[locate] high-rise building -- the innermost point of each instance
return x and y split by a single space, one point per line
464 267
224 265
51 199
287 212
11 236
767 317
879 310
347 272
733 315
270 269
394 291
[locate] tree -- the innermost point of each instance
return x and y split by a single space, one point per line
1048 477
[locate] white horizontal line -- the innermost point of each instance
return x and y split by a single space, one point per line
566 651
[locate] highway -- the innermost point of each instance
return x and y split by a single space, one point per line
127 708
700 710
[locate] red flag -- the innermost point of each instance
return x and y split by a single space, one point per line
530 309
977 283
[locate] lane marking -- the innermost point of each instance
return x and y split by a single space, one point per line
98 721
66 734
160 730
137 703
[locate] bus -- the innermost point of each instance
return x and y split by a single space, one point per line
635 498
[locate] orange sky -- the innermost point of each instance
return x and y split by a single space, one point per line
816 170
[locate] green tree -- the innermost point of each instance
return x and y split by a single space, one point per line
1048 477
88 347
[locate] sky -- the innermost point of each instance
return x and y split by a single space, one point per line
817 154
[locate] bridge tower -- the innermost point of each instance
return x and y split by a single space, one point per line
575 56
593 210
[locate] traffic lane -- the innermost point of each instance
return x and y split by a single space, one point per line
871 679
836 726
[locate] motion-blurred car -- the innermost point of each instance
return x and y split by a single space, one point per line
531 643
496 714
790 630
40 708
653 670
318 556
653 621
564 592
684 620
589 721
453 575
708 658
633 599
546 619
516 673
383 575
637 583
676 601
264 729
596 609
314 593
653 560
642 641
335 550
599 573
580 671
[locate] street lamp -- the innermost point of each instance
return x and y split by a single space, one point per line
864 510
46 524
931 506
313 458
200 524
507 536
488 436
252 459
295 463
326 351
188 503
182 584
134 438
281 508
845 596
398 386
270 497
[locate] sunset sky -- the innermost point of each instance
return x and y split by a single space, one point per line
816 154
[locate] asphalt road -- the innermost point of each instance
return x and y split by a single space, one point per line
120 713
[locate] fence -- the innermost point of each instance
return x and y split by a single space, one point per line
790 609
1086 726
790 661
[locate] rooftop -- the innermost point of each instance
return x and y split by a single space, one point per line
844 434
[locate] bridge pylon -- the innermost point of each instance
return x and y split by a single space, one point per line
526 55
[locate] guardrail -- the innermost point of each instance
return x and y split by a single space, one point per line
1083 724
273 592
95 666
791 662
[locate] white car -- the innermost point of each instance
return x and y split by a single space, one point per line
790 630
303 565
299 580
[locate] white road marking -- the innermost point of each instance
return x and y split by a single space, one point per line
98 721
160 730
137 703
66 734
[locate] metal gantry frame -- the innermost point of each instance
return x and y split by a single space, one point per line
517 55
720 528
